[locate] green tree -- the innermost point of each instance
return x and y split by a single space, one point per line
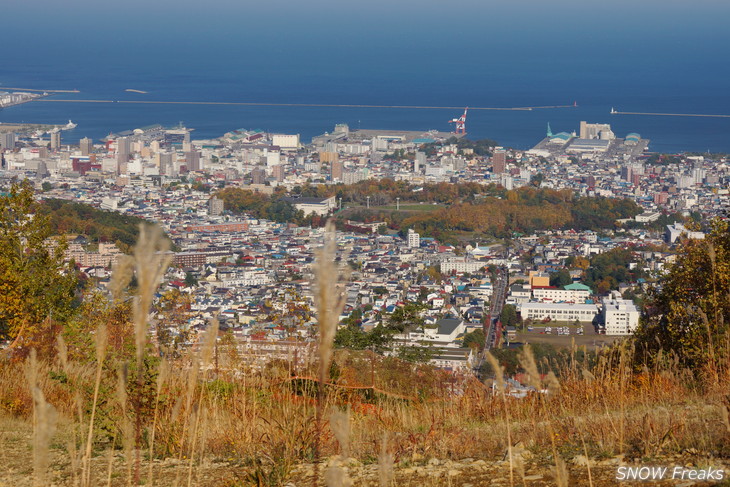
416 353
354 338
475 340
609 269
509 316
537 179
560 278
190 279
406 318
37 287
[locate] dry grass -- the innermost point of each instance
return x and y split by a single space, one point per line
265 423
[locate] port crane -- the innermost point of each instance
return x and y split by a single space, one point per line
460 123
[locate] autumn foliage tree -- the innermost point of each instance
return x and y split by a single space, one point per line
523 210
686 320
37 288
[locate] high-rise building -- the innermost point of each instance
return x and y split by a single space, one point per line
166 166
278 172
499 161
627 172
215 206
56 140
330 156
192 161
258 176
122 150
42 170
272 158
7 141
698 175
86 145
661 198
336 171
619 316
414 239
419 162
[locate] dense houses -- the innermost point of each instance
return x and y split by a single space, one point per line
255 275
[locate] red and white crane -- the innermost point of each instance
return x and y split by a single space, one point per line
460 123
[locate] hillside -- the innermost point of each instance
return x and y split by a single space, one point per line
98 225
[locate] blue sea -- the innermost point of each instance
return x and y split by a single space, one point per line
667 56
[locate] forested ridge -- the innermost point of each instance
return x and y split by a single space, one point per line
524 210
66 217
469 207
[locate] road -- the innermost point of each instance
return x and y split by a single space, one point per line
499 294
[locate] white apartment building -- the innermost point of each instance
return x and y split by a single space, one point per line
567 312
447 333
620 316
414 239
555 295
286 141
254 277
673 232
461 265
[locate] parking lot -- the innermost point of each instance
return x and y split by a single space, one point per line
555 335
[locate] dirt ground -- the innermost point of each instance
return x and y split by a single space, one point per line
111 468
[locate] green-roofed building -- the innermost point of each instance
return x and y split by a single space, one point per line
577 286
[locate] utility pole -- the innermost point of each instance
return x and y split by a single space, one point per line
372 368
397 204
368 198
